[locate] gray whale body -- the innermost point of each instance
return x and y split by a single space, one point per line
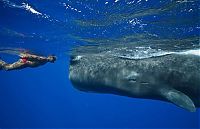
173 78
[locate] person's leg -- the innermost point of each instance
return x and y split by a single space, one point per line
13 66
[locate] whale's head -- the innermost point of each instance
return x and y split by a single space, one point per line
78 72
96 73
74 69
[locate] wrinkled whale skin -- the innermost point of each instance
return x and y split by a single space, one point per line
173 77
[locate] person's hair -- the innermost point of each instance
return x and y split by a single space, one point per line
52 58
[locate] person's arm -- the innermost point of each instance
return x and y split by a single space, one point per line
32 64
37 57
33 57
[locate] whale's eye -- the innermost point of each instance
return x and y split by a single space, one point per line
132 76
132 80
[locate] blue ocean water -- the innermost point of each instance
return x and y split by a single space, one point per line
44 96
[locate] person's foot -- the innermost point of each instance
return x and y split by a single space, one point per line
2 64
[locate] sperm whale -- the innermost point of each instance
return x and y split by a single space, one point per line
174 77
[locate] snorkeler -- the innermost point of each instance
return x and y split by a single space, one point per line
27 60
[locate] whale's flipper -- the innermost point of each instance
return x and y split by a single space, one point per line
178 98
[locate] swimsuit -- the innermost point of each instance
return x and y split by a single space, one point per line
24 59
